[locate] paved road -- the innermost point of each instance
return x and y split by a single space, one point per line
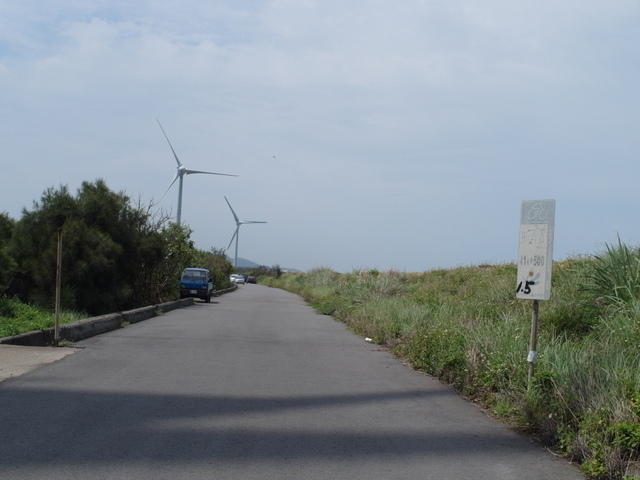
254 385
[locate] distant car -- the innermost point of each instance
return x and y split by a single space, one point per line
251 279
237 278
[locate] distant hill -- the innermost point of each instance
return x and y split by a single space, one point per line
244 263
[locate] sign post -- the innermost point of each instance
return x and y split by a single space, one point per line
535 259
56 328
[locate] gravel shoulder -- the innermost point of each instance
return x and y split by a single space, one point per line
16 360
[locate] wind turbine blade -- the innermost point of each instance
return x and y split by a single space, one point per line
234 213
171 146
170 185
251 221
234 236
189 172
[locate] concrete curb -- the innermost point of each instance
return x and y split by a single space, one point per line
89 327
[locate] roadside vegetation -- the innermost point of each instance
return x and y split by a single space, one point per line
17 317
116 255
465 327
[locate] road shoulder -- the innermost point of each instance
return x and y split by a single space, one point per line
16 360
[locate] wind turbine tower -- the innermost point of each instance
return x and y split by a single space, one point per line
236 233
182 171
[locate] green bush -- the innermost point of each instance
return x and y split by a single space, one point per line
7 263
440 352
116 255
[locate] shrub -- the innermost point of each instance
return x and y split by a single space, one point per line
440 352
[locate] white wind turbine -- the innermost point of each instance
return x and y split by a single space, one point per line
236 233
182 171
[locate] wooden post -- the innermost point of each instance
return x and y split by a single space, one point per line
56 330
533 344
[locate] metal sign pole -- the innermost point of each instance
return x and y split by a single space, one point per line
533 344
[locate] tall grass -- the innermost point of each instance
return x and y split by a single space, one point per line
615 274
466 327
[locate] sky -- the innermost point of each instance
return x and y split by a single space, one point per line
368 134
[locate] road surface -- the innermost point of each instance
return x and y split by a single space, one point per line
254 385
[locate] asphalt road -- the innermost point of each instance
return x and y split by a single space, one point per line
254 385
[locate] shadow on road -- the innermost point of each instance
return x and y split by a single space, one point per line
111 427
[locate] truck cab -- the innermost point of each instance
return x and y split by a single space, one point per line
196 282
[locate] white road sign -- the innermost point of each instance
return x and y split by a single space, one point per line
535 253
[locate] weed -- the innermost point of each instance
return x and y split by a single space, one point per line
17 317
465 327
615 275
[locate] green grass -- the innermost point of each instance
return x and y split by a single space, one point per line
615 275
465 327
17 317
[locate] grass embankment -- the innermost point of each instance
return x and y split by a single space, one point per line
466 327
17 317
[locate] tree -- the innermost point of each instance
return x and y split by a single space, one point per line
7 264
116 255
109 248
217 262
33 243
263 270
177 253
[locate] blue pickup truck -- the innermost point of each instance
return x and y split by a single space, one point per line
196 282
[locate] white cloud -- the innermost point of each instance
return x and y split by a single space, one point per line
392 124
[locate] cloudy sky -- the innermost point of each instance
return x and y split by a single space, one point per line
368 134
